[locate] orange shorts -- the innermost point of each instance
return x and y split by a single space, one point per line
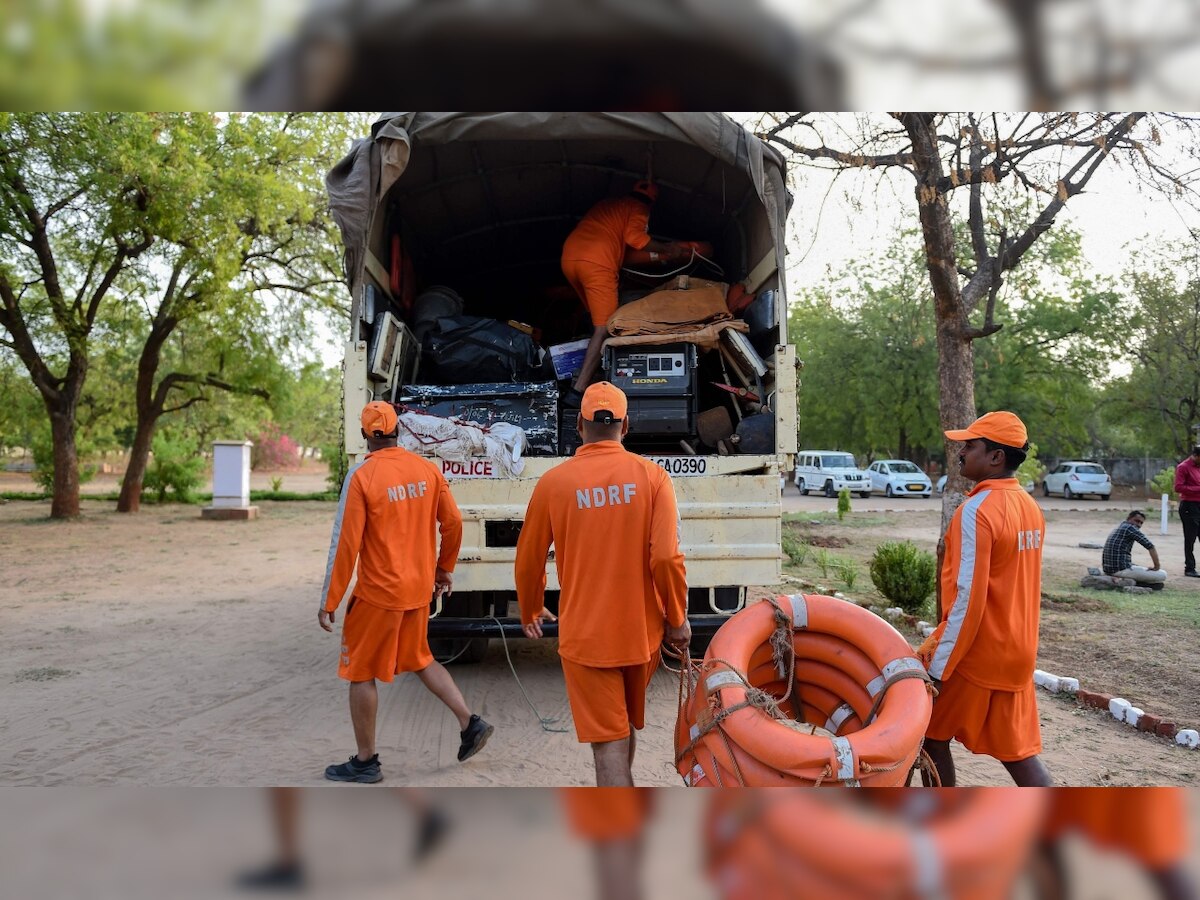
606 702
380 643
596 286
1150 824
607 814
1000 724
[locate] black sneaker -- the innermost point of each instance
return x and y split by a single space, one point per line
275 877
355 770
431 831
474 736
1192 573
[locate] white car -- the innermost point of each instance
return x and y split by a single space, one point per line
899 478
1075 479
829 471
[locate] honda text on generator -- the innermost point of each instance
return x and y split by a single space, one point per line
453 225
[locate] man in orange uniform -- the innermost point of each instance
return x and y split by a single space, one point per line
592 257
393 504
982 654
612 518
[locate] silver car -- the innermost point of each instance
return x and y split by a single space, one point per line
1075 479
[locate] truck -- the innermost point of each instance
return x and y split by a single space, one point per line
437 208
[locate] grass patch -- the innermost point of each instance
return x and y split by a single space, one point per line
45 673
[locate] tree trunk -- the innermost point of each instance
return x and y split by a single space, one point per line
956 356
65 502
130 500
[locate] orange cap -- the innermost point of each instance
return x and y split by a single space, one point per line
1002 427
604 403
647 189
379 419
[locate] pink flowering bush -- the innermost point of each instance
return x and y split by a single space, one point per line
274 450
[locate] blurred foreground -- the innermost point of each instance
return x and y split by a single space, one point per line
581 843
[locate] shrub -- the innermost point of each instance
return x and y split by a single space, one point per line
796 551
175 466
824 560
904 574
276 484
847 570
274 450
1031 471
1164 483
843 503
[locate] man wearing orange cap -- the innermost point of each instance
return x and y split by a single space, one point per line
392 507
982 654
612 518
592 257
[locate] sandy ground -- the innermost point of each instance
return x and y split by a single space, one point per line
165 650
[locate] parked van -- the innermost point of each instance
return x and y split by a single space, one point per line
476 206
829 471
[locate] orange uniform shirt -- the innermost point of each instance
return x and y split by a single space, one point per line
991 582
612 518
393 505
602 234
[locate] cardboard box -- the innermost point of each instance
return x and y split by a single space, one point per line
568 358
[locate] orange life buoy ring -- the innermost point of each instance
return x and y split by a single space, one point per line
850 706
969 844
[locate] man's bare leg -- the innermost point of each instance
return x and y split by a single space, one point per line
612 763
618 868
1030 772
632 746
364 700
441 683
591 359
939 752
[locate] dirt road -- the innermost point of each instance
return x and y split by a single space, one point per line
162 649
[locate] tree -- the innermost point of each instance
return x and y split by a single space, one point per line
984 159
193 217
1160 397
244 238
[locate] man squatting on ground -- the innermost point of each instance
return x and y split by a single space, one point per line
393 505
1187 486
1117 558
612 518
983 652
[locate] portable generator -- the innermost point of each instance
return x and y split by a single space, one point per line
660 382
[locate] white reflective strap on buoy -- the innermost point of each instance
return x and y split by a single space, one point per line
693 776
845 758
694 732
838 716
902 664
928 876
799 611
722 679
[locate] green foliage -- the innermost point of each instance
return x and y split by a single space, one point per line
795 550
1164 483
335 457
824 561
176 467
277 484
1031 471
904 574
843 503
847 570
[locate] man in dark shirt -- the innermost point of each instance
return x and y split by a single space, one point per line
1118 556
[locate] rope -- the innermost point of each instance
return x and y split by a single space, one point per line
899 676
542 720
429 440
691 262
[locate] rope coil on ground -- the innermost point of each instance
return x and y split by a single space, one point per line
748 712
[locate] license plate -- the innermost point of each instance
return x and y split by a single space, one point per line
681 465
916 487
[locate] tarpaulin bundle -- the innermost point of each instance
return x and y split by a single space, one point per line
802 690
970 844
